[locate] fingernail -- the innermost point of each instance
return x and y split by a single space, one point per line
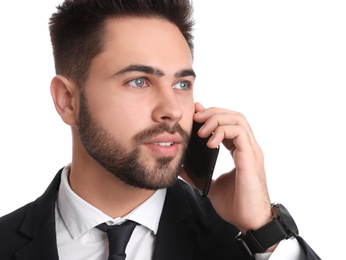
211 139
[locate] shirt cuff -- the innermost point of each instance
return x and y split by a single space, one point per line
286 250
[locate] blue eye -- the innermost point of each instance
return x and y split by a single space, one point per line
138 82
183 85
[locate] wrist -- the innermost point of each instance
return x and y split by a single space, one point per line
266 238
255 224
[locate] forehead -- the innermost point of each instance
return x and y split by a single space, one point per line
150 41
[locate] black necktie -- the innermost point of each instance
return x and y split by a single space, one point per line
118 237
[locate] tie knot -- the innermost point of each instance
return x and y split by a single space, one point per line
118 237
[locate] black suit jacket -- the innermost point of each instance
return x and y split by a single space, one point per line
189 229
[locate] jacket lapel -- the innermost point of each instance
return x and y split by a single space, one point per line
39 226
176 236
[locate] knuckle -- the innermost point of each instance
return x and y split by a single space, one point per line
242 118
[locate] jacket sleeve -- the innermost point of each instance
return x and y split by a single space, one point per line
309 253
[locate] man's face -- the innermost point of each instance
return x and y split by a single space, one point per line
137 105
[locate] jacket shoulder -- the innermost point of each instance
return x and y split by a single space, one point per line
14 218
11 239
19 227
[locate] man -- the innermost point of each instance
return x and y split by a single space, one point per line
125 86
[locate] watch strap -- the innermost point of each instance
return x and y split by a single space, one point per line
260 240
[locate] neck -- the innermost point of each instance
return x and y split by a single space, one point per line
89 180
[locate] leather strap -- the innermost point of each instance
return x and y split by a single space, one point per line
268 236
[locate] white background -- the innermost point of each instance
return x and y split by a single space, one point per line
281 63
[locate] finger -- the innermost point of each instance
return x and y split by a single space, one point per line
221 120
199 107
221 117
216 117
231 132
233 137
203 114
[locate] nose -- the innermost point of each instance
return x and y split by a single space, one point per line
167 106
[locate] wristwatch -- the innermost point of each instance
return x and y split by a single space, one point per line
281 227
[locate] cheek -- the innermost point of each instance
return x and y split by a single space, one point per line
189 110
134 117
126 118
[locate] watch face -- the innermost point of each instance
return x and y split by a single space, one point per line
288 220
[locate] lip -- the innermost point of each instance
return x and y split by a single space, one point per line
166 138
164 151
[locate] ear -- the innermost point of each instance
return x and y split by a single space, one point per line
65 96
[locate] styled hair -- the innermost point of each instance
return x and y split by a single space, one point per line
77 29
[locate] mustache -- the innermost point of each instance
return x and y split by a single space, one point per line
149 133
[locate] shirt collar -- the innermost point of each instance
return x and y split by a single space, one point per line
79 216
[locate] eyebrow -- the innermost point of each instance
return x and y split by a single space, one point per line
154 71
185 73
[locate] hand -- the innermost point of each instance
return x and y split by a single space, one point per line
241 195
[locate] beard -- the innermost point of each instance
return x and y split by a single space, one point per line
129 166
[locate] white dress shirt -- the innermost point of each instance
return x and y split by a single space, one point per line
78 239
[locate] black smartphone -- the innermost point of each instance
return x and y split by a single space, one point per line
200 160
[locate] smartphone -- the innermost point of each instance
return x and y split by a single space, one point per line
200 160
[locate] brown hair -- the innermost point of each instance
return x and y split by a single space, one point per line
78 27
